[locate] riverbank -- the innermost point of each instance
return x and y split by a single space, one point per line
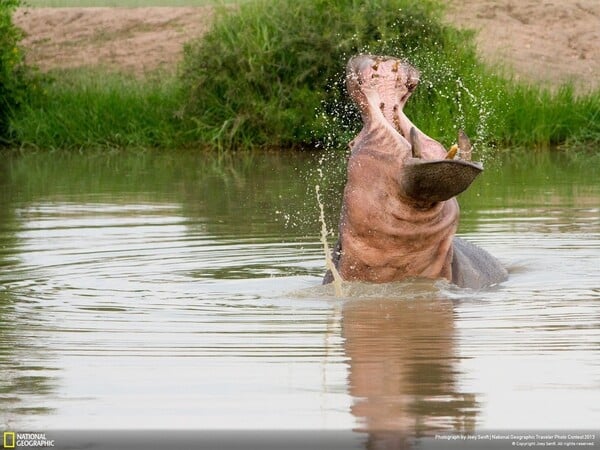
122 77
548 42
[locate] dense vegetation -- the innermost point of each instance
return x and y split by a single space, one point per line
260 76
270 74
13 86
88 109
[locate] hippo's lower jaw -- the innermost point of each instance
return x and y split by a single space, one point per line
437 180
399 213
429 182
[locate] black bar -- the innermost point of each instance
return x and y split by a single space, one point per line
298 440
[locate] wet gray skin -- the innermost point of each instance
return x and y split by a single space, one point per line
399 212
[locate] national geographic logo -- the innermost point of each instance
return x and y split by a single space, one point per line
9 439
26 440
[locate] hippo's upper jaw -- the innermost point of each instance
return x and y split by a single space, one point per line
399 214
380 86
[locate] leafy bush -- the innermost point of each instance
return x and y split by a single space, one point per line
12 71
261 74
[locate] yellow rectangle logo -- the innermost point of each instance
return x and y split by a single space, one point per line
9 439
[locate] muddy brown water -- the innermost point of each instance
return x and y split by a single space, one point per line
183 292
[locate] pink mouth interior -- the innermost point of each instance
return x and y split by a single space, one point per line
388 83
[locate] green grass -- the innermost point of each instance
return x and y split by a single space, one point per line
536 115
13 76
87 109
125 3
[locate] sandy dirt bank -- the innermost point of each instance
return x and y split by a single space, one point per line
549 41
131 39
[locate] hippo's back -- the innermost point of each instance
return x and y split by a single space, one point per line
473 267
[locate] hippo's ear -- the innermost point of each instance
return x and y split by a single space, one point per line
436 181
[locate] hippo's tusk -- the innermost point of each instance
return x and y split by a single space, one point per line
464 144
415 144
452 152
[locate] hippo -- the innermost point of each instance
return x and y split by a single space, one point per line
399 212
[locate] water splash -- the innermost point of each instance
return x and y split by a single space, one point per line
485 111
337 279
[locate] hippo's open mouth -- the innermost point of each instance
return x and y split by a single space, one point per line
381 86
399 216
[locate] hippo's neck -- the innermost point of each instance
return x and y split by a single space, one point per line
384 236
397 249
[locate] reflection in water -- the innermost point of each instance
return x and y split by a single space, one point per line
27 373
403 370
139 306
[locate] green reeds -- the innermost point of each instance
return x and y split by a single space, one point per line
82 109
13 77
542 118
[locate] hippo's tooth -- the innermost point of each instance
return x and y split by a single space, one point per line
452 152
464 144
415 144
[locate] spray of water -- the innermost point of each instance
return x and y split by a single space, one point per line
485 111
337 279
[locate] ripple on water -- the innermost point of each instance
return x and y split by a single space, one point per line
127 280
166 311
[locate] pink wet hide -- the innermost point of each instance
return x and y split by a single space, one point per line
385 235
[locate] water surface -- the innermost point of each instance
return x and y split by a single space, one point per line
183 292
